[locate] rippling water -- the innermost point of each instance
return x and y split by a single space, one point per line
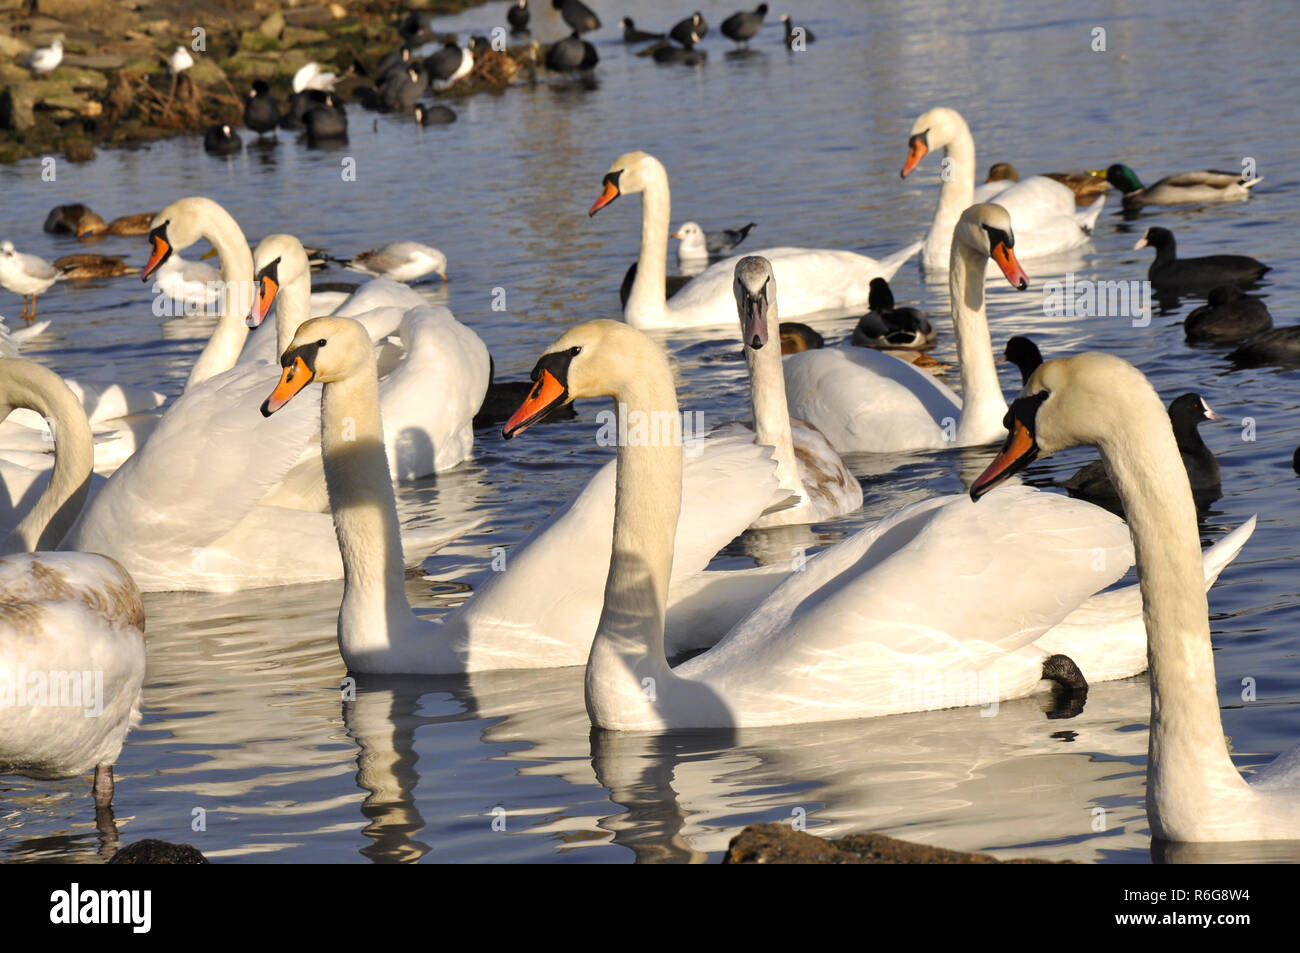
242 710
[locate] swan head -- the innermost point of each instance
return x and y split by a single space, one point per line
631 172
279 259
179 226
933 129
987 230
325 349
1092 399
595 359
755 289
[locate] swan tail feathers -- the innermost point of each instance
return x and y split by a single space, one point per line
890 264
1087 216
1217 557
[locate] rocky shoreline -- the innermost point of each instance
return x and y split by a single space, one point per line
114 87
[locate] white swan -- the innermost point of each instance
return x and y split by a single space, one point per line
806 464
177 227
72 655
1194 792
865 400
851 635
203 505
429 397
1047 221
541 611
810 279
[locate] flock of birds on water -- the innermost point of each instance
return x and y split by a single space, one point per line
277 463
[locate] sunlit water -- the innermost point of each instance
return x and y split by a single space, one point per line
243 717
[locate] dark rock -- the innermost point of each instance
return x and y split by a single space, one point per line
781 844
158 852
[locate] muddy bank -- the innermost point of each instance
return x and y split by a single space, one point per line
114 86
781 844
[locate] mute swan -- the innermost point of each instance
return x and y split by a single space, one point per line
1044 211
1194 792
811 279
177 227
72 655
429 399
27 275
195 508
542 610
848 637
863 400
1182 188
806 464
1171 274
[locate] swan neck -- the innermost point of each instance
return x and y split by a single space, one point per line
648 297
29 385
1190 776
627 673
982 403
956 190
222 350
292 308
768 402
365 516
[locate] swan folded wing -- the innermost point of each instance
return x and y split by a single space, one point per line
933 594
554 585
430 398
862 399
73 623
210 459
808 280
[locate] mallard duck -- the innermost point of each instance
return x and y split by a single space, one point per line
74 219
82 267
1182 188
131 224
1086 186
796 338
